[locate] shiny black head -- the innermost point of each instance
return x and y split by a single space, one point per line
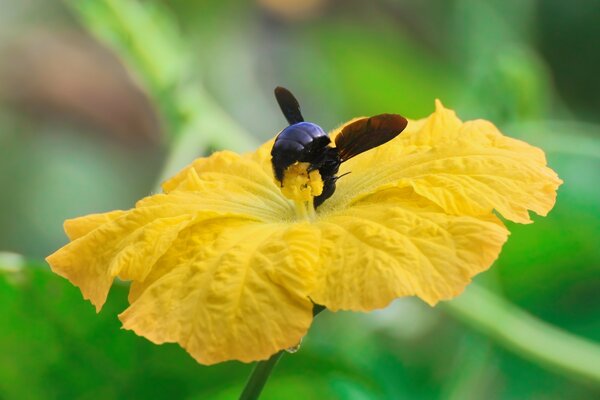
307 142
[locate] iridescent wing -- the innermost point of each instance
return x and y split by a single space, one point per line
367 133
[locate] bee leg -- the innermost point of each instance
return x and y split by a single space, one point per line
328 190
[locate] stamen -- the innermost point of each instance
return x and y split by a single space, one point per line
312 214
301 185
301 210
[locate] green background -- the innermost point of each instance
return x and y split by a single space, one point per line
101 99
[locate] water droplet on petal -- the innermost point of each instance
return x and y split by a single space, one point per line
295 348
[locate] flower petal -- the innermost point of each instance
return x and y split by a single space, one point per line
78 227
127 246
240 180
226 290
465 168
128 243
396 243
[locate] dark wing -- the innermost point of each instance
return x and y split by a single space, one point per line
289 105
368 133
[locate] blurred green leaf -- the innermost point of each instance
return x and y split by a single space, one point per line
369 72
54 346
506 80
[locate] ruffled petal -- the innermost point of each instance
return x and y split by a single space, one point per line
465 168
226 290
127 247
127 244
238 180
81 226
396 243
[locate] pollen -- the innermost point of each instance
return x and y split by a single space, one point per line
301 185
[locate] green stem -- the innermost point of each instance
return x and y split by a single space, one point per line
526 335
259 377
261 372
149 42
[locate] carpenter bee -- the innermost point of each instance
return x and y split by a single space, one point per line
307 142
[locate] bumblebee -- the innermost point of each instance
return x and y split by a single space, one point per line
307 142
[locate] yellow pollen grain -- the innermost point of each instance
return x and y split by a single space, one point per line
300 185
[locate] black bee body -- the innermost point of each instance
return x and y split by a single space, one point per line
307 142
303 141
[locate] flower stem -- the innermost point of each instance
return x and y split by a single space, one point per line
259 376
526 335
261 372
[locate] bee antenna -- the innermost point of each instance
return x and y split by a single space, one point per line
338 177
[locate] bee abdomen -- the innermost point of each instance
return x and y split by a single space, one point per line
298 142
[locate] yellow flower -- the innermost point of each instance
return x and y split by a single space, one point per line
225 265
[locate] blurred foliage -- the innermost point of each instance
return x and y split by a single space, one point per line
208 68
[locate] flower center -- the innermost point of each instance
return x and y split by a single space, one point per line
301 186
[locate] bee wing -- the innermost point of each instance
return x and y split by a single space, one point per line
289 105
368 133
